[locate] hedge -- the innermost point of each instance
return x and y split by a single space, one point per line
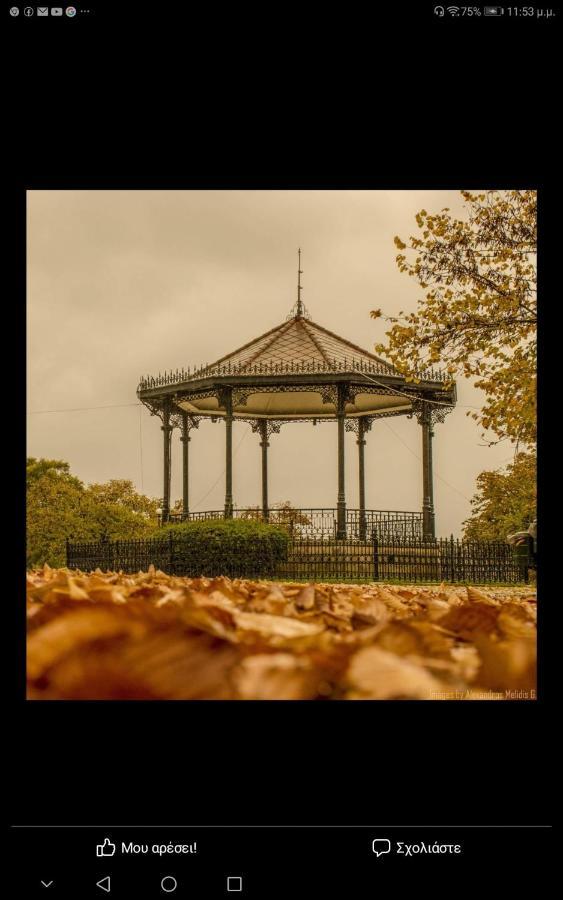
237 548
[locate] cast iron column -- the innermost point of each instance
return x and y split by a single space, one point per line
341 501
362 482
264 444
229 454
427 477
167 431
185 438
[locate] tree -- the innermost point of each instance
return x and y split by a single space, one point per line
505 501
285 514
478 316
123 494
54 498
60 507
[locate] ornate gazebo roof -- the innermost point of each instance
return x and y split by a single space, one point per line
292 373
298 370
299 341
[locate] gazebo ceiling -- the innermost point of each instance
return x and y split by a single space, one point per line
304 403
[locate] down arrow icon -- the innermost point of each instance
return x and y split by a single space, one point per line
46 883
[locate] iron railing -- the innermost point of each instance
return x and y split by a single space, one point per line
321 522
292 367
320 559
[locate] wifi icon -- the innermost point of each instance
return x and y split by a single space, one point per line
453 10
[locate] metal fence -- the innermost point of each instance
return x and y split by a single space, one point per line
318 559
321 522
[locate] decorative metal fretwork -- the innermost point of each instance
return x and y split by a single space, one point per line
354 424
240 396
437 412
328 392
298 310
271 427
290 367
177 421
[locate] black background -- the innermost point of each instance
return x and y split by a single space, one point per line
275 862
157 96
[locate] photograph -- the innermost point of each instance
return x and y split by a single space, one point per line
281 444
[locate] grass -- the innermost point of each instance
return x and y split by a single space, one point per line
411 583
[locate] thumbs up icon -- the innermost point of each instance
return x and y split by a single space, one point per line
105 849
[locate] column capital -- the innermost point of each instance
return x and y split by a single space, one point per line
359 426
429 412
265 427
225 398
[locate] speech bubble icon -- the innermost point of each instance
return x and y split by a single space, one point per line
381 846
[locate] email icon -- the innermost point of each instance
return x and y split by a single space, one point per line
42 10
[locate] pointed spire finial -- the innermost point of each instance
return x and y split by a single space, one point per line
298 310
299 288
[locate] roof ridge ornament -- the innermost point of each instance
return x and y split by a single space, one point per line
299 310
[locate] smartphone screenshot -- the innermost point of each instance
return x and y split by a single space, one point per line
281 314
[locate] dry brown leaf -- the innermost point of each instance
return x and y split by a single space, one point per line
275 626
306 598
436 609
153 636
275 676
392 601
370 612
154 666
376 674
468 619
508 666
515 622
413 638
476 595
467 660
67 633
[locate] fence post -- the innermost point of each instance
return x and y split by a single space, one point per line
375 557
452 561
67 553
522 554
170 554
105 552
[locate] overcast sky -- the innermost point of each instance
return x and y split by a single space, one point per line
123 283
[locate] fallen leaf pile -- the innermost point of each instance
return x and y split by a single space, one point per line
151 636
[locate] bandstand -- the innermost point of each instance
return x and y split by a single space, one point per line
300 371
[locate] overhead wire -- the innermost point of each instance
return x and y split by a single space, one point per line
404 443
216 482
37 412
368 377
